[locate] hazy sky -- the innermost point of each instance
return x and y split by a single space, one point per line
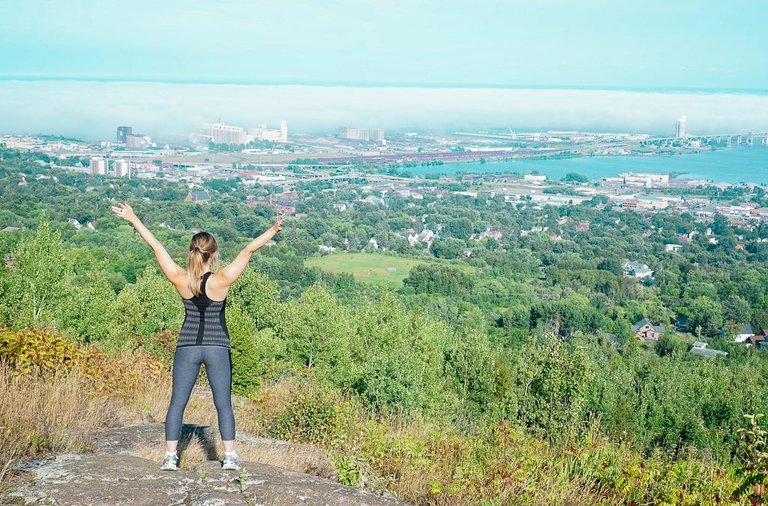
657 43
358 50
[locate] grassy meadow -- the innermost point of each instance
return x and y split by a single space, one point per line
376 268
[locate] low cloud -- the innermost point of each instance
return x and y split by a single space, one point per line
169 112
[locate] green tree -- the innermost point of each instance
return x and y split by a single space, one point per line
149 306
31 291
705 316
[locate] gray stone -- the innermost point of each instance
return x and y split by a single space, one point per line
113 476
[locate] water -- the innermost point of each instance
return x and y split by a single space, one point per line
729 165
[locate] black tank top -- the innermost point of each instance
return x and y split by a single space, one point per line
204 323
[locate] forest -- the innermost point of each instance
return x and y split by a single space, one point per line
503 367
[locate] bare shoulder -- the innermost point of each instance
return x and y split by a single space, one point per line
217 286
180 283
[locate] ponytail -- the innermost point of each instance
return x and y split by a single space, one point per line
202 249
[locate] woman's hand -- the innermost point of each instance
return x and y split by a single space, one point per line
278 226
125 212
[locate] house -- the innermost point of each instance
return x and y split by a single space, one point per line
672 248
326 249
198 197
582 226
636 269
646 331
426 236
700 348
10 229
488 233
758 340
745 332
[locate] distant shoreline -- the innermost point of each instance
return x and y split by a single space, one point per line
384 84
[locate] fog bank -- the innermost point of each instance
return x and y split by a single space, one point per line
169 112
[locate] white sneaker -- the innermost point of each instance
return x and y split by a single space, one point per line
170 463
230 463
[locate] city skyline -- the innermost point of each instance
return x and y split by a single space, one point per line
170 112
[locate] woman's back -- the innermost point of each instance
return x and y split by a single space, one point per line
204 320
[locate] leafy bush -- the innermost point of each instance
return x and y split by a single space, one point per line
754 474
42 351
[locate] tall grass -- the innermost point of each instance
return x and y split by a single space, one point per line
39 416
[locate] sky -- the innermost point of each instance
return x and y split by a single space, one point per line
684 48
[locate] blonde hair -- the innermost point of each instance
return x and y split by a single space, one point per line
202 248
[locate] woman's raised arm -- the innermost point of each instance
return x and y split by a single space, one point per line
231 272
171 269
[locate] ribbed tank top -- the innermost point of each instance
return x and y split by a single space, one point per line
204 323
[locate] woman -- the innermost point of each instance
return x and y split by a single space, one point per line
204 338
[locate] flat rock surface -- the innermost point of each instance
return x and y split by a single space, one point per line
113 476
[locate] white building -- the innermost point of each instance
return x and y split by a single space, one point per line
636 270
646 180
98 166
219 133
122 168
262 133
137 141
535 178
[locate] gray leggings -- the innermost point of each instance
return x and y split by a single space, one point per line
186 366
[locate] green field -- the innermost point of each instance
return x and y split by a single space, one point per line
370 267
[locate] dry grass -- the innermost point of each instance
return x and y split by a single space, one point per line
39 416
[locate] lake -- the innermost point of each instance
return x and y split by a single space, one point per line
731 165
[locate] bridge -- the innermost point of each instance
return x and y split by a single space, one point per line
747 139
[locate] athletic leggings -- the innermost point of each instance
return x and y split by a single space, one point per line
186 366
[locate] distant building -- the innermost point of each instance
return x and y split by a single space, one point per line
535 178
646 331
681 128
700 348
219 133
646 180
672 248
98 166
262 133
636 269
123 132
744 332
137 141
198 197
122 168
757 340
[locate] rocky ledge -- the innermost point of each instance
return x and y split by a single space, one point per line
116 473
